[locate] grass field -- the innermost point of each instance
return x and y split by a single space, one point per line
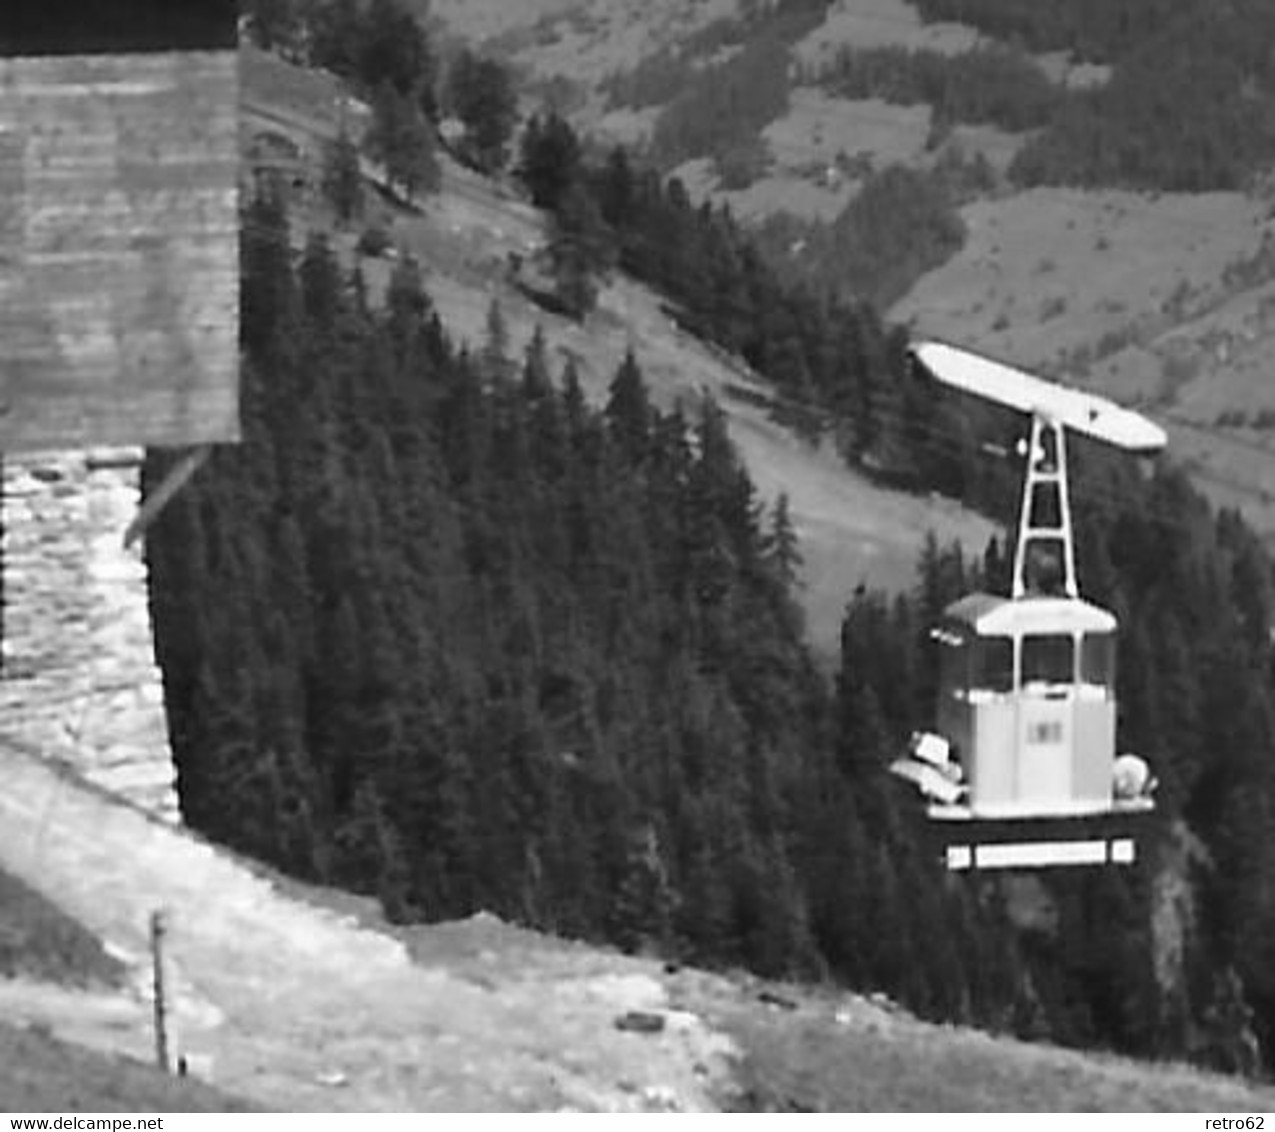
881 23
55 973
817 1048
1164 301
852 1058
40 941
39 1073
1136 293
1050 274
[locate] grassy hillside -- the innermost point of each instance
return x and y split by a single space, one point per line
39 1073
788 1047
1155 297
39 941
56 976
476 1014
852 530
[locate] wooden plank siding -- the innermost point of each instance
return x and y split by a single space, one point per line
119 273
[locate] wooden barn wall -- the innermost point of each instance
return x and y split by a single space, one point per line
118 250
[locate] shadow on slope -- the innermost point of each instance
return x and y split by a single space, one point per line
38 1073
40 941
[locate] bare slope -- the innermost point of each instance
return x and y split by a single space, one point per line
39 941
298 1007
851 530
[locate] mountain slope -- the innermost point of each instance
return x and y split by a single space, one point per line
851 530
1107 286
39 1073
300 999
298 1007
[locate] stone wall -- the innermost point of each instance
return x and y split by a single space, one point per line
79 682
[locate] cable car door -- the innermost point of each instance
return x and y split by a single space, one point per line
1046 726
1044 752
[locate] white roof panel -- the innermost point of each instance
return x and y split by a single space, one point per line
1075 409
987 615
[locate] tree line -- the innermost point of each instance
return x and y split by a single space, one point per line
1188 108
987 84
1095 30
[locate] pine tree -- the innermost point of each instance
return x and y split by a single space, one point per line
496 362
395 51
581 251
783 544
343 179
629 413
482 96
550 161
536 382
402 140
337 34
274 25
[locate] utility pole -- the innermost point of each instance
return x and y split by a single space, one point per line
158 928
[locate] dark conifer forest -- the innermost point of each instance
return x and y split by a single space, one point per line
442 632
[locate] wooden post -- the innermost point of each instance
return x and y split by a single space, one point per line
177 475
157 961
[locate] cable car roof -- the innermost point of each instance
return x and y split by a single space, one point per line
1079 410
992 615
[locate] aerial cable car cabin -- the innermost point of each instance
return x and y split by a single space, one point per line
1022 771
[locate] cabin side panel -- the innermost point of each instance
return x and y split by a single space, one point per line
1093 751
993 758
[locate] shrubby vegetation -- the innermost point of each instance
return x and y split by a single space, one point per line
402 140
481 94
662 76
724 105
1190 108
900 225
1097 30
720 109
990 84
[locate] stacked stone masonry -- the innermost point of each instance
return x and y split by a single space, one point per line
79 681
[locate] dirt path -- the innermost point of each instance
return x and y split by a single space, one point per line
297 1007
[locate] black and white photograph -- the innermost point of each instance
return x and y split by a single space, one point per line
637 556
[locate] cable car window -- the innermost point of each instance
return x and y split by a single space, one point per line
1048 659
992 668
1098 659
1045 566
1046 505
953 665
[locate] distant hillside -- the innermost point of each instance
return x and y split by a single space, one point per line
1002 114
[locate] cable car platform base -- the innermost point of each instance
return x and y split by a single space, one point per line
969 842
